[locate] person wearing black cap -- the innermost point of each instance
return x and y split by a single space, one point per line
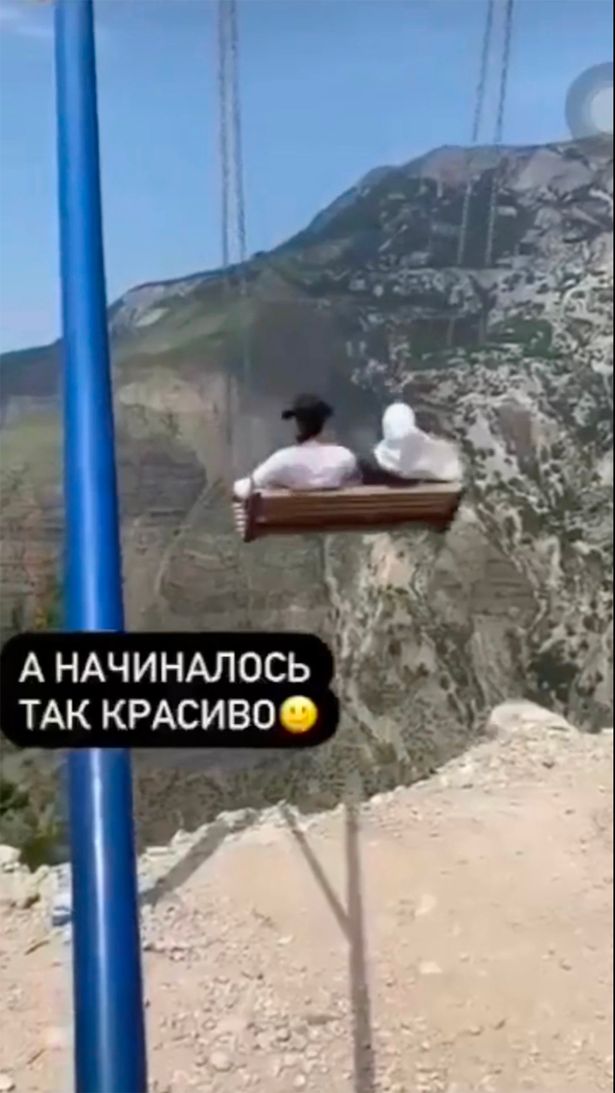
311 463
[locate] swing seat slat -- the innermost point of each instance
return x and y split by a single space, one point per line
358 509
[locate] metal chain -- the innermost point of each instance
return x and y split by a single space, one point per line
499 128
225 188
479 105
240 205
234 246
476 124
223 101
244 295
238 183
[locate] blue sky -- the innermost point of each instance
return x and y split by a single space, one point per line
331 88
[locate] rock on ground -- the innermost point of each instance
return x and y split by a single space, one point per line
454 937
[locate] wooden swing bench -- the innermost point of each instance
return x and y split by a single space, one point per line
358 508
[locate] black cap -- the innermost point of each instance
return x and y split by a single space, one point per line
308 406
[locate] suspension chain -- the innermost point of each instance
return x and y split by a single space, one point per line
499 128
476 125
234 234
224 95
479 106
237 135
240 205
230 136
223 131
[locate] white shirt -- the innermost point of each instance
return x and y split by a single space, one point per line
309 466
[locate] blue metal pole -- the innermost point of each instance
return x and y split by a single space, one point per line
108 1003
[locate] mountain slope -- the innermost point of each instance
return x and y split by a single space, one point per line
512 357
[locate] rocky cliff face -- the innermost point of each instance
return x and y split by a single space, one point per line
511 356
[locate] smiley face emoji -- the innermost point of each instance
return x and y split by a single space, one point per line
298 714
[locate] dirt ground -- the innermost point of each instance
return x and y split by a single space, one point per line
455 937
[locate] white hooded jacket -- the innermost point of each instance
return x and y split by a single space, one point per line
407 451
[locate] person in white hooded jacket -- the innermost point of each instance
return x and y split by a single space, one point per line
406 453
